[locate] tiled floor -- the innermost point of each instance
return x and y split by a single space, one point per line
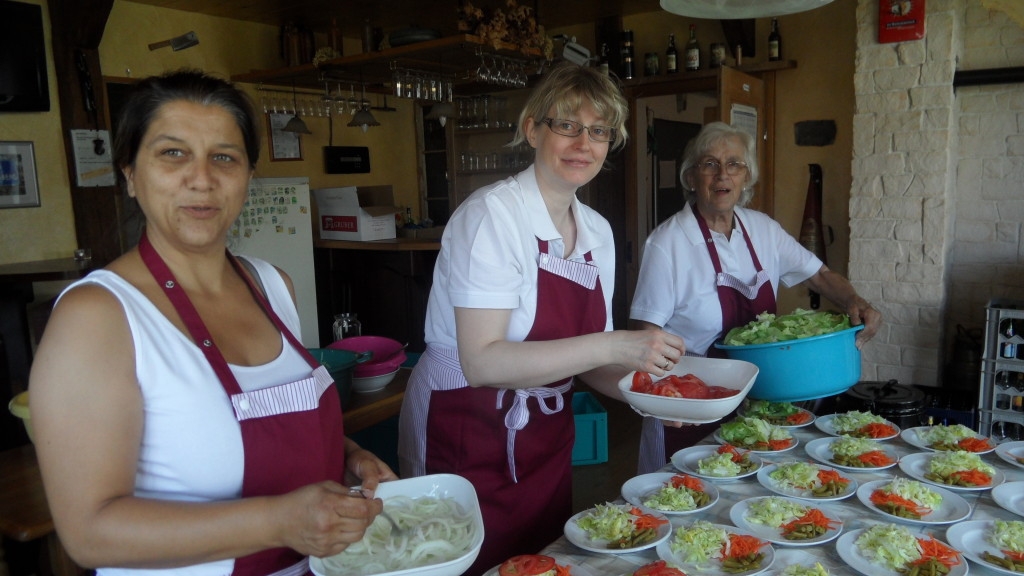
599 483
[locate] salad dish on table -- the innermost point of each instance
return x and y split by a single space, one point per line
536 565
1012 453
853 454
702 547
815 569
997 545
913 502
956 470
947 437
1010 497
755 435
806 481
858 424
721 462
617 529
786 521
784 414
892 550
670 493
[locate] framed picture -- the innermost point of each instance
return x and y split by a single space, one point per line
283 145
19 187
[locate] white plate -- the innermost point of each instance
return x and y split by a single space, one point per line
820 449
847 548
916 466
793 444
738 515
952 509
579 537
574 570
638 488
688 460
1010 451
1010 496
825 424
912 436
742 411
765 480
664 550
969 538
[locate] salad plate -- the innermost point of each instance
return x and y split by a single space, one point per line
952 509
793 444
640 488
579 536
574 570
740 512
664 550
913 436
688 460
827 425
820 449
1012 452
764 478
1010 495
806 417
847 548
970 538
916 466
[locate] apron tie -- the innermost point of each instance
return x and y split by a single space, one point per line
519 415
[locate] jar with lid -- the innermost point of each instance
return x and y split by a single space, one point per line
346 325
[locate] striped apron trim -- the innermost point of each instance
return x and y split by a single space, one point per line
749 291
299 396
519 415
582 273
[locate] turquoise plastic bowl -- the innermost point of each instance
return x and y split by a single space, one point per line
803 369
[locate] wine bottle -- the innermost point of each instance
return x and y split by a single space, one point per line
774 42
812 235
671 65
603 63
693 50
626 51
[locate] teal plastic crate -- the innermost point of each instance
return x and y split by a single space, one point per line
591 445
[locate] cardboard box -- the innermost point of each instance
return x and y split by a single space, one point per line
591 446
356 212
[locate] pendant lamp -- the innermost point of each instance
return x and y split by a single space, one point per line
739 9
295 124
441 112
363 118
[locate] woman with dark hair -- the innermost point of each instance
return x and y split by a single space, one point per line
715 265
179 422
519 307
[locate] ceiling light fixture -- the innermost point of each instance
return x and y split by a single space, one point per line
363 118
739 9
295 124
441 112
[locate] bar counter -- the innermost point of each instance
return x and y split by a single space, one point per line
850 510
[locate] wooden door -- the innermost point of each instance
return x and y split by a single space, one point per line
742 103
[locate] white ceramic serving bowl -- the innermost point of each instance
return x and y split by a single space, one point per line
437 486
734 374
373 383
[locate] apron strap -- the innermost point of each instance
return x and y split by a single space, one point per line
518 415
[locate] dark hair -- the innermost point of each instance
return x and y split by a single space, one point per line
151 94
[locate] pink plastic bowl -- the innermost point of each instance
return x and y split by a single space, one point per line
384 359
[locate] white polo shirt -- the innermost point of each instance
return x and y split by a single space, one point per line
489 255
676 287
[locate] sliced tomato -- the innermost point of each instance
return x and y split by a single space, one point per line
526 565
721 392
658 568
642 383
693 389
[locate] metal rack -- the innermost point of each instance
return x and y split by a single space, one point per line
1001 395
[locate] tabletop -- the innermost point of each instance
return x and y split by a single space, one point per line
850 510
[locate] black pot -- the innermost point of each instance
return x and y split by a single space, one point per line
339 364
900 404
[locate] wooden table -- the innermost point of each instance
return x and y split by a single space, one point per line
371 408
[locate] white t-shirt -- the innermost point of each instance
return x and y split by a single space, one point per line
676 287
489 258
191 446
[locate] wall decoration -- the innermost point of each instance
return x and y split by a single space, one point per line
283 145
900 20
19 187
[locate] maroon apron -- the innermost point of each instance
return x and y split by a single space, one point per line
292 434
741 303
522 472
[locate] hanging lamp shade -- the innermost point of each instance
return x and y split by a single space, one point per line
739 9
441 112
296 125
363 119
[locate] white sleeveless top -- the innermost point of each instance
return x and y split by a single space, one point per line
191 442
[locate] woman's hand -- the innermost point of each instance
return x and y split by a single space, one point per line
861 312
323 519
649 350
363 468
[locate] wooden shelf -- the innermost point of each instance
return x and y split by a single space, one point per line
455 56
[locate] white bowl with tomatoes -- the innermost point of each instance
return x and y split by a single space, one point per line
696 390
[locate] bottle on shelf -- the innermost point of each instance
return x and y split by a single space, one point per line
1008 328
774 42
334 38
693 50
626 51
603 62
671 62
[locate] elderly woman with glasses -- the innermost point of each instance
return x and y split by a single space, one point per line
520 306
715 265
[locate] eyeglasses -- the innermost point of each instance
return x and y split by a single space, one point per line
573 129
714 167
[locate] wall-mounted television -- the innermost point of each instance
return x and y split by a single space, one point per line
23 83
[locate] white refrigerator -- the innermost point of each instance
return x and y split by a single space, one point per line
275 225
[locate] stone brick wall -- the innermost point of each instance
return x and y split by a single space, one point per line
937 198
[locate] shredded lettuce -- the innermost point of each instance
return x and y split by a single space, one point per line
745 431
1008 535
607 522
943 434
854 420
774 511
700 543
946 463
801 570
768 328
914 491
796 475
889 545
769 409
671 498
719 465
851 447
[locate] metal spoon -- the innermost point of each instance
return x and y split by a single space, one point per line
395 528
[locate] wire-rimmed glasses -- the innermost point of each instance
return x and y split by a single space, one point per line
573 129
712 167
